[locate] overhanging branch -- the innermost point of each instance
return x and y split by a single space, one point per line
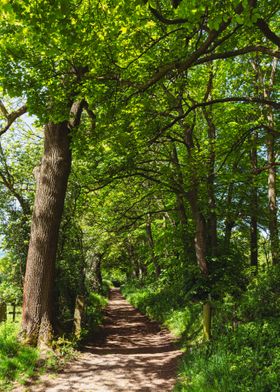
233 53
11 117
248 100
265 29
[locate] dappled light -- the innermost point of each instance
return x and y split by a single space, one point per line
140 149
131 354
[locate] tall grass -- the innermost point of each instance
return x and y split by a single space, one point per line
17 362
246 360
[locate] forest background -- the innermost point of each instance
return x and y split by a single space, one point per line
153 149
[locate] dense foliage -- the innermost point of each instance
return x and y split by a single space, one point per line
173 185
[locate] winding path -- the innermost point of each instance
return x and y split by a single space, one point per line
134 354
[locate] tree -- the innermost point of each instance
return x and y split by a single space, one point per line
157 101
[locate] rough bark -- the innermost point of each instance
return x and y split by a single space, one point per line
48 207
52 177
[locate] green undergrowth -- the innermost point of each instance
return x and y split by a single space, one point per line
17 362
96 304
167 305
246 360
244 353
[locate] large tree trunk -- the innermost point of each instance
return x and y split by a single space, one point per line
52 179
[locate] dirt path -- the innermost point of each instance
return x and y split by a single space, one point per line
134 355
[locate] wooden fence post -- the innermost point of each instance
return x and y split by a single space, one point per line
3 311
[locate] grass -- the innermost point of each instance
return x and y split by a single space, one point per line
17 362
243 358
168 306
246 360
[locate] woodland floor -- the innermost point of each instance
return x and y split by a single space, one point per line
131 354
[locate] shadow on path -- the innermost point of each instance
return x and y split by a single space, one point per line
132 354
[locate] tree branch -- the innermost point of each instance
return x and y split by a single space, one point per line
264 27
233 53
181 66
275 105
261 169
164 20
11 117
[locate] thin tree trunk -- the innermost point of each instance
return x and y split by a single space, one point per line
52 177
193 195
272 203
212 216
96 260
3 312
135 272
78 315
254 207
181 205
152 246
200 233
230 218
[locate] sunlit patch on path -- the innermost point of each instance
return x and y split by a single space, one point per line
133 354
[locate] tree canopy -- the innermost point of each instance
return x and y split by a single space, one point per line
166 113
